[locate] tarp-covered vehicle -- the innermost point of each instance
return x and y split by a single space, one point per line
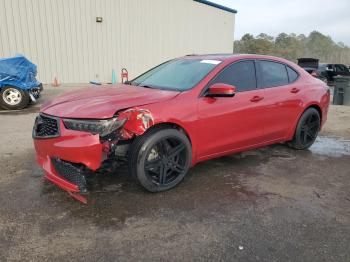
18 84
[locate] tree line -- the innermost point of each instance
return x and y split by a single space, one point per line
292 47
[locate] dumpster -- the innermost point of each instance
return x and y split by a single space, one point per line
341 94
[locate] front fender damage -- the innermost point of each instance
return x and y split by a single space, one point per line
138 120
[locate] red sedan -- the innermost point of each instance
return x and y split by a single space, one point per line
177 114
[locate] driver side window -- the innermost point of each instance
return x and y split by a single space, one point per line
240 74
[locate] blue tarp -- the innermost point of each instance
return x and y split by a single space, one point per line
18 71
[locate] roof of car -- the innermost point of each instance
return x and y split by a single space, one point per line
231 56
220 57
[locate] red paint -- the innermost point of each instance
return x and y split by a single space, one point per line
78 197
216 126
222 89
138 121
103 101
72 146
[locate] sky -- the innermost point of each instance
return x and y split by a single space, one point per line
297 16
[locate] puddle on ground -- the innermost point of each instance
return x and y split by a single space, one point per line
331 146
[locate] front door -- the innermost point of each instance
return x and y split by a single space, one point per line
231 123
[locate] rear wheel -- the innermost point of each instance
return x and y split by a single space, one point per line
307 130
160 159
13 98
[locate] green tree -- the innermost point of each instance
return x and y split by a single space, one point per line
288 46
292 47
263 44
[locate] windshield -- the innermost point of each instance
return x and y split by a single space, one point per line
177 75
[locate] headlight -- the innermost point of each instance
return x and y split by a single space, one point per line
101 127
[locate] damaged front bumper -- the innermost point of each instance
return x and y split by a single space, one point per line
65 155
71 174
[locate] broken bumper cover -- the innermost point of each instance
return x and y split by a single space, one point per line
58 156
70 174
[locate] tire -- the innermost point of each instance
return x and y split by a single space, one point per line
307 130
12 98
152 160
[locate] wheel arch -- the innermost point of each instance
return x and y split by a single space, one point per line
296 141
295 124
140 150
317 107
181 128
174 125
143 120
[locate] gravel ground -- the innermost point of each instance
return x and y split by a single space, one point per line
270 204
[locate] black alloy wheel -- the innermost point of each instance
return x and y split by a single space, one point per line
307 129
160 159
166 161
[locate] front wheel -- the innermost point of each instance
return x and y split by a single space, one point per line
307 130
13 98
160 158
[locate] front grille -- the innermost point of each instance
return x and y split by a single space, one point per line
46 127
70 173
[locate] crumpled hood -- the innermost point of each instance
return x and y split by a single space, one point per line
98 102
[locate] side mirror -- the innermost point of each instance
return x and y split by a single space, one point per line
329 69
221 90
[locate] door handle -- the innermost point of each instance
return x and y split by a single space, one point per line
256 99
295 90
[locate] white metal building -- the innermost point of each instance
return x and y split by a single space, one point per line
65 38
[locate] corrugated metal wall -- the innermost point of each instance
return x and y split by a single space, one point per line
64 40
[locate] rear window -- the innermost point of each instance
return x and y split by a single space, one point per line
292 75
273 74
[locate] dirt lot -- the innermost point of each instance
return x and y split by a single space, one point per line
271 204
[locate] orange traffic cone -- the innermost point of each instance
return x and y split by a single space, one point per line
55 82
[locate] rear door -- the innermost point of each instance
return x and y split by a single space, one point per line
282 94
